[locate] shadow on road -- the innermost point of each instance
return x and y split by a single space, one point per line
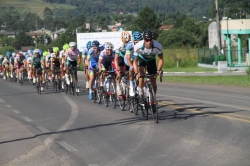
129 120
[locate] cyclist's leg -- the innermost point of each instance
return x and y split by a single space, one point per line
18 72
152 69
67 71
142 71
91 81
120 69
87 75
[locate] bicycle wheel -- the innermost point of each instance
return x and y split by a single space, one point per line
21 79
94 96
105 99
143 107
113 94
153 106
136 104
66 88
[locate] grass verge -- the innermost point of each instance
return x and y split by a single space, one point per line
241 81
190 69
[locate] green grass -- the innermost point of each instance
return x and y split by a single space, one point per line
34 6
186 57
189 69
241 81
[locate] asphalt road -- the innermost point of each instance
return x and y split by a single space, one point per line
199 125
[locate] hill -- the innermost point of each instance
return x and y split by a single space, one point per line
34 6
193 8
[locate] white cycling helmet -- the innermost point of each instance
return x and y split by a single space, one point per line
109 46
72 44
13 54
36 51
1 56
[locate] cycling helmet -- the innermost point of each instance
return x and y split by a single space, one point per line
95 43
41 52
36 51
8 53
1 56
72 44
65 47
88 45
126 37
56 49
137 36
45 53
19 53
30 51
26 56
14 54
148 34
50 50
109 46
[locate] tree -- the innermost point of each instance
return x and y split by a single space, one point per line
48 18
147 19
23 40
176 38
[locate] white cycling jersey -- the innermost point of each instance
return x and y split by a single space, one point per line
147 54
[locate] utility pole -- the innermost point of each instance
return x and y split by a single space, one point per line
218 25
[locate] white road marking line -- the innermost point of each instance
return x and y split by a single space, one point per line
74 112
8 106
43 129
27 119
180 72
66 146
1 100
17 112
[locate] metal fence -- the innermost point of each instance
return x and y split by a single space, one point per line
208 56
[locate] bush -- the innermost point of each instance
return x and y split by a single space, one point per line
5 49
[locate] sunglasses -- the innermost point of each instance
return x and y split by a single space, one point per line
148 40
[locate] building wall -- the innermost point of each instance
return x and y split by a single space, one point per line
212 37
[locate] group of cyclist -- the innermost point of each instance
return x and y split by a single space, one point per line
135 54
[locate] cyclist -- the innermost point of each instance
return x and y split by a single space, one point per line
105 61
119 58
129 57
92 61
55 63
62 60
11 61
50 50
37 67
145 53
6 67
84 62
29 64
18 65
1 65
72 58
43 63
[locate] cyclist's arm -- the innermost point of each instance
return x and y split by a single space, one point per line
160 62
100 64
79 60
